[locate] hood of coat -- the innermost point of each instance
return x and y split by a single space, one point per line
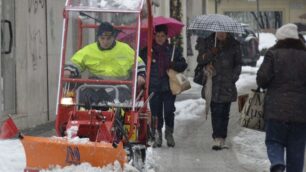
290 44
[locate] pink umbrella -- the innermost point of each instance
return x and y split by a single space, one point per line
174 28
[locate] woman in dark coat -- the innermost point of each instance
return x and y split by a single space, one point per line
162 103
223 61
283 74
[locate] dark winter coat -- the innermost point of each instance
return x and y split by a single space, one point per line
161 62
227 64
283 73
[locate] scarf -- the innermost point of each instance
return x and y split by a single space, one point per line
160 54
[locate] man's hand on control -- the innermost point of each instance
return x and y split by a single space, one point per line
67 73
140 81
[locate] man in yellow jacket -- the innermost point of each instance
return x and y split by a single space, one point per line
106 59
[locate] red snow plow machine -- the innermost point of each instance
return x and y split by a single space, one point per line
114 124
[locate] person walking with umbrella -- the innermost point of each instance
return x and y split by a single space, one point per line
223 63
220 58
162 102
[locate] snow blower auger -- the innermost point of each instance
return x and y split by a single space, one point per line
98 121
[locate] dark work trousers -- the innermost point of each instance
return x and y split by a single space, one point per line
286 137
162 107
219 119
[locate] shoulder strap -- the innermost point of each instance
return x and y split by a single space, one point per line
172 56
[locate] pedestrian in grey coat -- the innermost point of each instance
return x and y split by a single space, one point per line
222 59
283 74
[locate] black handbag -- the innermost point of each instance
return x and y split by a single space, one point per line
198 74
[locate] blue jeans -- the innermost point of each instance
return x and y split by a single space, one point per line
219 119
162 107
286 137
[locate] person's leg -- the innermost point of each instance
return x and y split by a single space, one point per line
296 147
219 119
169 109
224 119
157 118
215 118
276 139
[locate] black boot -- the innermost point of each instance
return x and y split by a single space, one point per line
278 168
158 139
152 134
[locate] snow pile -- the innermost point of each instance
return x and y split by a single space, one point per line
189 109
72 131
266 40
12 157
86 167
150 165
250 149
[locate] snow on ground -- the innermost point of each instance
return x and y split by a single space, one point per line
266 40
12 156
189 109
248 144
250 149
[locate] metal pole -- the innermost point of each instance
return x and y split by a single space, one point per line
203 6
216 6
257 2
1 74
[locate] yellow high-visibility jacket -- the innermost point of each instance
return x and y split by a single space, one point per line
114 63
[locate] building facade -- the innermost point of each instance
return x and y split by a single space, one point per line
268 14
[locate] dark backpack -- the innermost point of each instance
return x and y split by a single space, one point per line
198 74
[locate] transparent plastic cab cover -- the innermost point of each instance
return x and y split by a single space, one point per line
84 18
127 5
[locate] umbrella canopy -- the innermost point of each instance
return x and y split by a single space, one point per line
174 28
204 25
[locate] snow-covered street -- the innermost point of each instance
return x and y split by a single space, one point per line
192 152
193 137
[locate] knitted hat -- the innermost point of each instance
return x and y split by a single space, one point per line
287 31
106 29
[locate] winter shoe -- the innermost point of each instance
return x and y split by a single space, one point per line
152 134
217 144
222 144
158 139
278 168
169 137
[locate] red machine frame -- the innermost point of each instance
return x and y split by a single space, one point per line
99 129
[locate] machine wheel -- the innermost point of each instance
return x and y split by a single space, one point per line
139 157
143 155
